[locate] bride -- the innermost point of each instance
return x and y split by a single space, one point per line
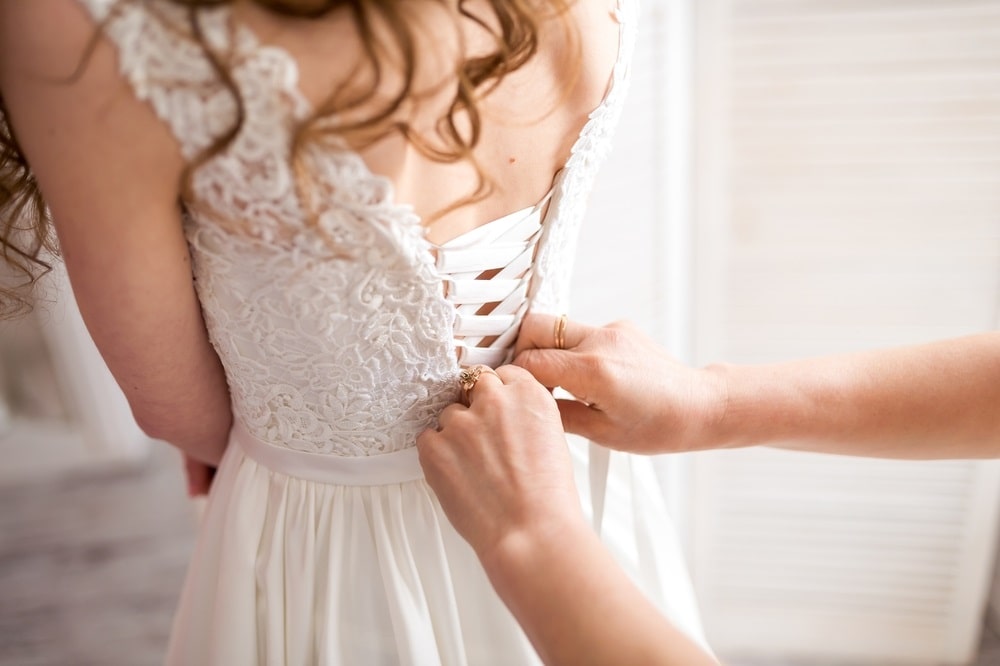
289 224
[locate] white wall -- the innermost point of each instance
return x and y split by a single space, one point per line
847 176
620 270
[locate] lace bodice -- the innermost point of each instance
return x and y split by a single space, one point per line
336 336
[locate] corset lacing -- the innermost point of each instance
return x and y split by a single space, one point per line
487 273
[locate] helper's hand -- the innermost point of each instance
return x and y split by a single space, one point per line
503 475
500 466
631 394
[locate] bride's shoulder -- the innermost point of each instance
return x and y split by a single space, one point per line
593 42
62 35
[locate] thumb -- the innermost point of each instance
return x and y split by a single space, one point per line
580 419
554 367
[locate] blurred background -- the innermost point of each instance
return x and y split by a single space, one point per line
791 178
823 178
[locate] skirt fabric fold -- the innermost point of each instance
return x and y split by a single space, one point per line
290 571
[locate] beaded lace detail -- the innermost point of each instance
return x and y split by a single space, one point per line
347 353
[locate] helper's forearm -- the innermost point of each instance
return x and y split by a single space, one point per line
578 607
939 400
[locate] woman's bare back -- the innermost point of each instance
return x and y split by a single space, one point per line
529 122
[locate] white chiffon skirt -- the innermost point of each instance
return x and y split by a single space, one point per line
306 559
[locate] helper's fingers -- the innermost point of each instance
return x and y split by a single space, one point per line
556 367
488 380
512 374
580 419
538 331
450 413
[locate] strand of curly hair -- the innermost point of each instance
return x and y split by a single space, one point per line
27 240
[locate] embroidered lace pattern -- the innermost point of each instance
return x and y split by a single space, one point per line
347 353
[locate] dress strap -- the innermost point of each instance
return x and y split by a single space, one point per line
167 67
551 287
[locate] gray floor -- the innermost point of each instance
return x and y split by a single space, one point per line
91 565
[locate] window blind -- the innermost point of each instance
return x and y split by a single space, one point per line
848 175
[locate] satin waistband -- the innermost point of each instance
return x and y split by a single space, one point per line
378 470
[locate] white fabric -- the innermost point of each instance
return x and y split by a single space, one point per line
337 325
388 468
599 463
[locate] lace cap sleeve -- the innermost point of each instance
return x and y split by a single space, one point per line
168 68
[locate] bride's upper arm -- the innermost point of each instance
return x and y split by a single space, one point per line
110 172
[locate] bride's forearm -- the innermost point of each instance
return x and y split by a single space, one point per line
198 424
938 400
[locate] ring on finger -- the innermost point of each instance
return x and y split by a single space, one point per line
559 334
469 376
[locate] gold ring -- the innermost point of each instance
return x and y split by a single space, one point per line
560 332
468 377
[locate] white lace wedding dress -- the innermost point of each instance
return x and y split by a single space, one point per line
321 542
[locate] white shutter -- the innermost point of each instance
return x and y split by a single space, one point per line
848 172
634 259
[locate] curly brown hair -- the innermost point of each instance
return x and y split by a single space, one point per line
26 235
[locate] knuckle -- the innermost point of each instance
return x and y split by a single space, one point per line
448 414
488 403
532 392
616 335
457 423
512 373
593 365
527 359
426 440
